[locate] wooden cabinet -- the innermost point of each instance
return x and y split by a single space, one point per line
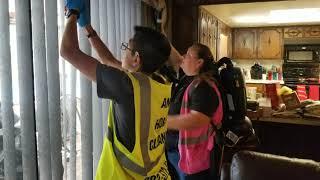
269 43
208 30
260 87
293 32
302 32
258 43
244 46
312 32
224 40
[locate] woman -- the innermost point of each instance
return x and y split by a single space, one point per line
201 111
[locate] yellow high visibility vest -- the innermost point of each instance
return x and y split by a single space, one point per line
147 160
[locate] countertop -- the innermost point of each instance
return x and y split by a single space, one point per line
296 120
256 81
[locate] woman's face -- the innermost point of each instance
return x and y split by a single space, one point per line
191 64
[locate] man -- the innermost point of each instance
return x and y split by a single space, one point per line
137 123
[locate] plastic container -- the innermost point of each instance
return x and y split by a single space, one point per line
271 92
274 75
269 75
251 93
264 77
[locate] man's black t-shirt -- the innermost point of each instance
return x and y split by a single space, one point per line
202 99
116 85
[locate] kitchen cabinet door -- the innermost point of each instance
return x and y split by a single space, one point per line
312 32
203 28
244 46
208 30
212 33
293 32
224 44
270 43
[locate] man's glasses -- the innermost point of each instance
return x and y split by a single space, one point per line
124 46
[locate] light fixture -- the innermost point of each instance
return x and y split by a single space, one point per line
250 19
283 16
294 15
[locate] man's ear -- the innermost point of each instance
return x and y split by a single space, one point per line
137 61
200 62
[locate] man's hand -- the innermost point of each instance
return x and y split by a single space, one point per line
84 18
157 4
74 4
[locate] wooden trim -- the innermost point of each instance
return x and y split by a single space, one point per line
185 27
290 120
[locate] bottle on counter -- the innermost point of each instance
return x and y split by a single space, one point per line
264 73
279 74
269 74
274 72
275 75
264 77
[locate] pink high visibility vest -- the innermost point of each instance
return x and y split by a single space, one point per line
196 144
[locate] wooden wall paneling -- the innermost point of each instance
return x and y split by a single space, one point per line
185 27
229 34
205 30
224 43
202 24
213 27
208 30
169 16
218 39
230 45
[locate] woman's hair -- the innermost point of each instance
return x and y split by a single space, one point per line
208 68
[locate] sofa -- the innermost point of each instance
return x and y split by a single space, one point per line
249 165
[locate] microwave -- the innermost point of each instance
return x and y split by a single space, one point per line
308 53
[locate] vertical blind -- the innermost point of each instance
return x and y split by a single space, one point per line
52 122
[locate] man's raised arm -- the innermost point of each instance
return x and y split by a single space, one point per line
175 57
105 56
70 51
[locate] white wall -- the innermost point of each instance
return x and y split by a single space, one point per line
247 63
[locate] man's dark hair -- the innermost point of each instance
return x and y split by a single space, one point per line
153 48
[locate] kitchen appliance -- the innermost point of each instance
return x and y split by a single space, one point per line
301 65
301 53
307 74
301 73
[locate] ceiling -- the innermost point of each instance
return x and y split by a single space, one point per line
258 14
